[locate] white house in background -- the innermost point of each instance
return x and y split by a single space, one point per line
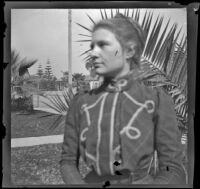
93 81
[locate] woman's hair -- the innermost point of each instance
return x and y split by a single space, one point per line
126 30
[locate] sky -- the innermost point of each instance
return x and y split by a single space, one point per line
42 34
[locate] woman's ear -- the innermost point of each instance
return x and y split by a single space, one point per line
130 50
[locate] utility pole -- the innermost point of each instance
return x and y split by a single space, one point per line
70 46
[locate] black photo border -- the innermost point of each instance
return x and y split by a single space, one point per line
192 34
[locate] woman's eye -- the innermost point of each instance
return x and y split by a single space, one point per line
101 44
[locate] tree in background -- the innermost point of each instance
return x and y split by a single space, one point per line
77 78
65 76
40 71
48 70
90 68
80 83
48 81
64 79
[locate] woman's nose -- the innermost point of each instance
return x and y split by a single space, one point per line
94 52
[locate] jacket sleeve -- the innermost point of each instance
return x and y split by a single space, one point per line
70 147
70 142
168 143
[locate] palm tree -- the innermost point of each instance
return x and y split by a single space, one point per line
19 69
59 106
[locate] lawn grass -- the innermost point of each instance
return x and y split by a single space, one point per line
38 165
32 125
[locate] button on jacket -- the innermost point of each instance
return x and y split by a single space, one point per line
118 126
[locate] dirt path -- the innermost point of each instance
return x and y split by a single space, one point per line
32 141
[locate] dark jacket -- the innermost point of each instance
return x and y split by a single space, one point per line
118 126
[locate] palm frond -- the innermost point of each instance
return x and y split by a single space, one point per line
69 95
24 65
144 19
154 38
171 58
180 107
178 60
102 15
19 67
149 22
161 54
54 103
179 98
137 16
127 13
149 41
124 12
84 27
47 115
87 58
84 40
67 99
57 103
85 52
105 14
184 84
157 47
168 50
60 106
91 19
53 107
182 68
175 92
155 77
60 120
14 57
61 103
111 13
132 13
176 55
85 35
183 72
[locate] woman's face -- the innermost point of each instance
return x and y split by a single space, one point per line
109 57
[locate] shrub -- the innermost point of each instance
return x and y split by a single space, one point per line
24 104
48 85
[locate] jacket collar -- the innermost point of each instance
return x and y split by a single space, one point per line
122 83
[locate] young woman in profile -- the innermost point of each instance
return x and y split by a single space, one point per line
117 127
